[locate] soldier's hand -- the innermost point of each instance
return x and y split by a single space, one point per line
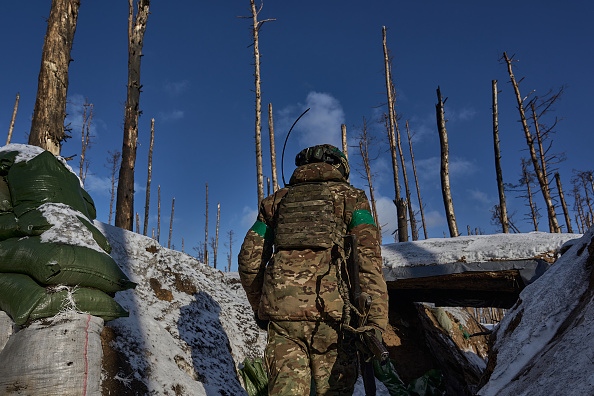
262 324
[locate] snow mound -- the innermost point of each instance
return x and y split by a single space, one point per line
544 345
190 326
473 249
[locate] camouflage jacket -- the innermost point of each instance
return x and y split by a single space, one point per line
302 284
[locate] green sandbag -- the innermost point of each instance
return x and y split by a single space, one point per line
389 377
90 204
22 299
34 223
254 377
44 179
91 301
19 295
97 235
5 201
58 264
430 384
6 161
9 228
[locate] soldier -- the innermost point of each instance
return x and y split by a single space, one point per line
291 267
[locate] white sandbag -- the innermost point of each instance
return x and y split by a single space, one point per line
6 329
58 357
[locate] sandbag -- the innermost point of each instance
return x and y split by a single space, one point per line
69 226
58 264
22 299
9 228
7 159
54 359
90 204
44 179
5 201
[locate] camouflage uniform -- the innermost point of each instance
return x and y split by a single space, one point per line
297 290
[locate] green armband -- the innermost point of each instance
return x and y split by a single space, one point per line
361 217
263 230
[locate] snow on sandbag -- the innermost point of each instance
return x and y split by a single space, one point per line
37 177
62 224
22 299
62 357
58 264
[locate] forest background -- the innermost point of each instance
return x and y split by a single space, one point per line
197 77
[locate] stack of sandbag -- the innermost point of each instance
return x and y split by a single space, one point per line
52 258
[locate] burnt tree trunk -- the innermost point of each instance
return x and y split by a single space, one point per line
206 230
159 213
392 125
86 138
113 160
544 187
411 213
255 29
533 211
445 168
14 113
216 243
125 199
148 179
502 205
272 149
47 125
412 159
171 224
563 204
343 132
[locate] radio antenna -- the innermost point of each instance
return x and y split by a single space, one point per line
285 145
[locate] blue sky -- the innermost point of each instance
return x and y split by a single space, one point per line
197 76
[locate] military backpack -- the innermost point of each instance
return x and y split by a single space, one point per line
306 219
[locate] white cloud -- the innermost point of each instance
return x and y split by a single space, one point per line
174 88
434 219
74 116
481 197
430 168
248 217
98 185
320 125
172 115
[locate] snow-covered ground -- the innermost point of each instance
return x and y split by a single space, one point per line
545 344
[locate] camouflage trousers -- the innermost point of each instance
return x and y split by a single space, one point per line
299 351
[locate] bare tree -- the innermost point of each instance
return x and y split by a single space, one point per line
137 223
113 160
445 168
230 254
563 204
206 230
544 187
412 158
14 113
85 137
256 25
148 179
502 208
159 213
364 141
171 223
496 219
216 243
272 149
125 198
527 180
47 125
411 214
391 126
